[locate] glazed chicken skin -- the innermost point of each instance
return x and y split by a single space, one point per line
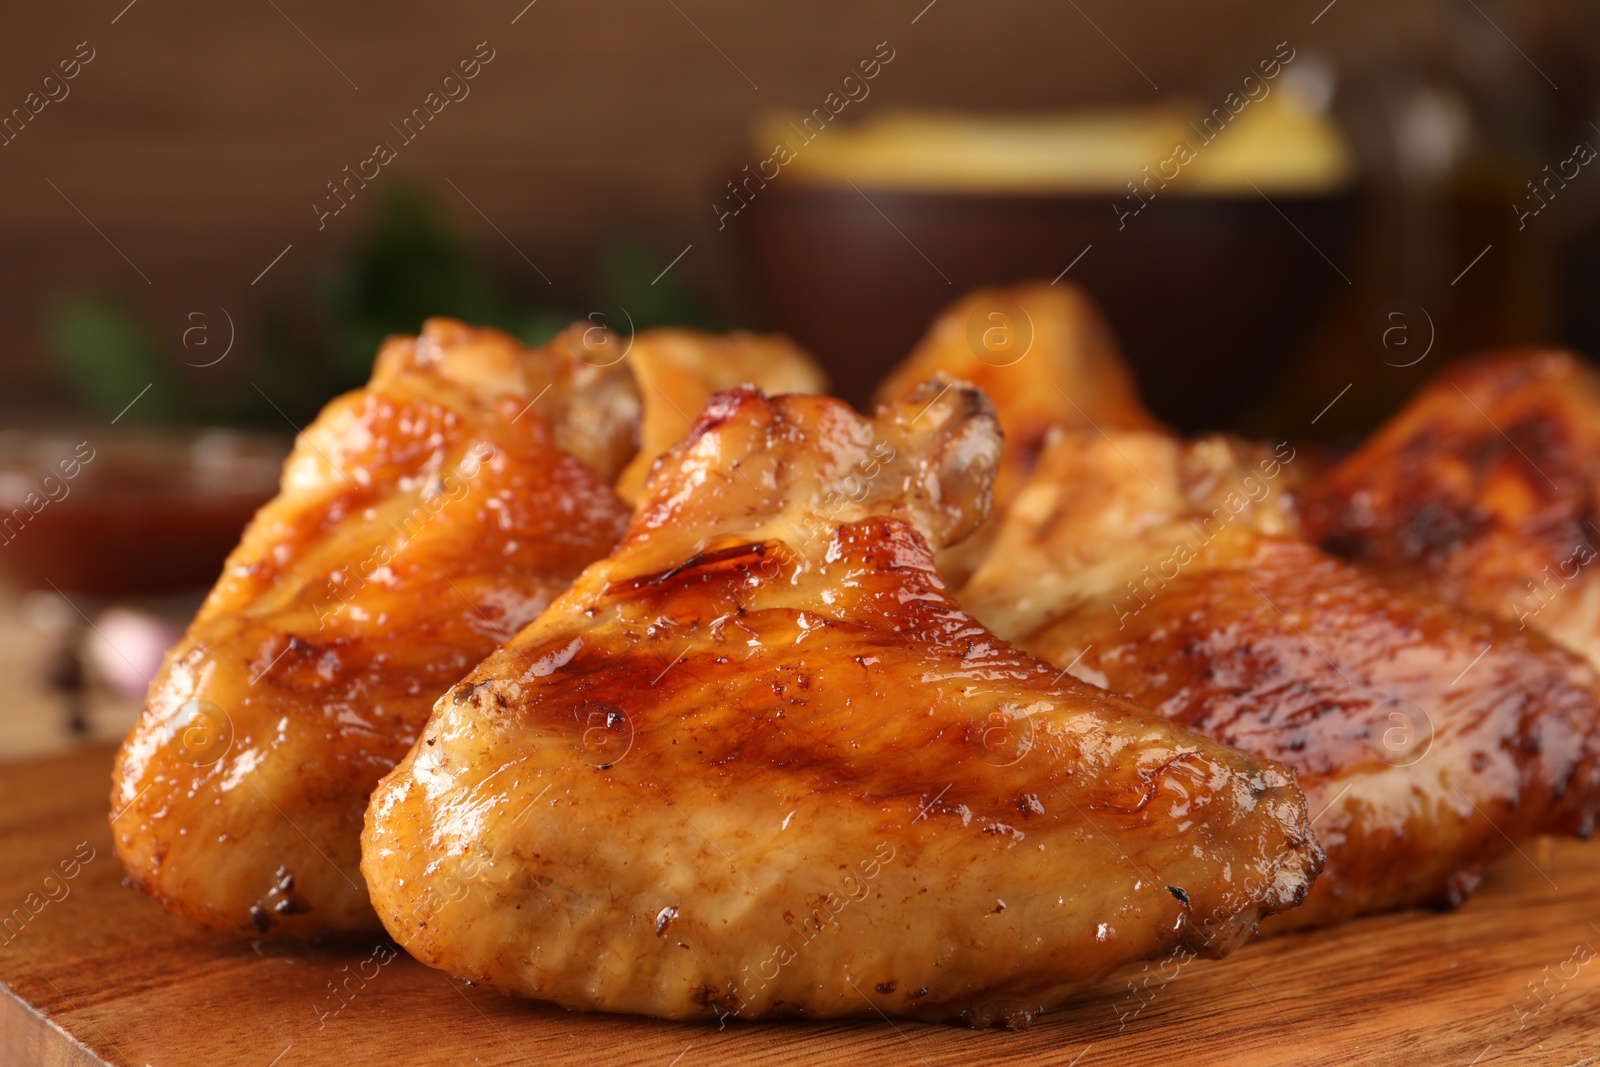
1047 361
1426 738
759 763
421 521
1484 489
678 370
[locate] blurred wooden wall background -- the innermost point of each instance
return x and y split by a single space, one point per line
199 136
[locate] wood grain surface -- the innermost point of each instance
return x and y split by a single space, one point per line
97 974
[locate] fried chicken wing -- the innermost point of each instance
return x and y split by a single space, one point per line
1485 489
421 521
1048 362
677 371
1426 738
759 763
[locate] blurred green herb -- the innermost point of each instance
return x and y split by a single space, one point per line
414 260
110 354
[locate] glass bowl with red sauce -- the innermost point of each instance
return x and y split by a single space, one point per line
110 513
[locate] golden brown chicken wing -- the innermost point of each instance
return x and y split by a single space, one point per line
1483 490
1426 739
677 371
421 521
759 763
1046 359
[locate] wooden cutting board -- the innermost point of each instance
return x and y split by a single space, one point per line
97 974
